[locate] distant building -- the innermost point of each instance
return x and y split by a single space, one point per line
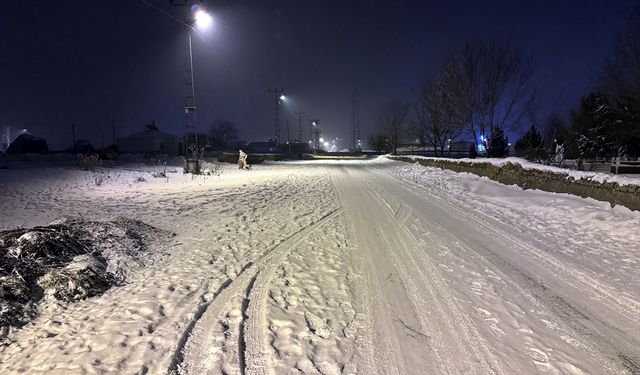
83 147
262 148
236 144
295 148
28 144
150 140
461 146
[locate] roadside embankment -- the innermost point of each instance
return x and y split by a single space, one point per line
547 179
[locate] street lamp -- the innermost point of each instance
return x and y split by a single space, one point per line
195 18
203 19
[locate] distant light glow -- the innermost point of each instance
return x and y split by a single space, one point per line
321 140
203 19
481 146
282 97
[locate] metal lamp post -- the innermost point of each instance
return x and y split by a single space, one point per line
193 15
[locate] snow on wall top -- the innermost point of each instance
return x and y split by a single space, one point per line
587 175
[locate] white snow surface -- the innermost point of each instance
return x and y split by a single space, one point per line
339 267
622 179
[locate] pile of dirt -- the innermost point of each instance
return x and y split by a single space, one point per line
69 260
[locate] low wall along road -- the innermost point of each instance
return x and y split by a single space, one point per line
515 174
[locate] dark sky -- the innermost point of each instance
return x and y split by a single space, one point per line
86 62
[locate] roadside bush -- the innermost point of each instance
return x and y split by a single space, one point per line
531 146
89 162
499 144
473 152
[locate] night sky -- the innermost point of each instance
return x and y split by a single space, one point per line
88 62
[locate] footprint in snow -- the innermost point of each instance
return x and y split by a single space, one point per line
317 325
540 358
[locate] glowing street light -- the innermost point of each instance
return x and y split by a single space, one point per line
203 19
282 97
196 19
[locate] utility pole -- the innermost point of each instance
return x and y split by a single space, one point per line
277 98
73 135
315 133
355 121
288 137
299 125
192 153
113 130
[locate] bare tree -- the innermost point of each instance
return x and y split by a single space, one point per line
378 142
620 75
222 132
488 83
392 122
435 122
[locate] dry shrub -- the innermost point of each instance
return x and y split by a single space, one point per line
89 162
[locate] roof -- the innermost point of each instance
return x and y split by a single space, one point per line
149 134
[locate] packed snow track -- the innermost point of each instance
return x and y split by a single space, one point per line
343 267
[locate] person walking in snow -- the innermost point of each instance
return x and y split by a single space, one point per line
242 161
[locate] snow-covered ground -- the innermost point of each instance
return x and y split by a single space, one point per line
340 267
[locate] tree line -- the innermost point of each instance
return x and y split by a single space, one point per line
606 123
481 90
484 90
219 137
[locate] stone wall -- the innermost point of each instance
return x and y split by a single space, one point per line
515 174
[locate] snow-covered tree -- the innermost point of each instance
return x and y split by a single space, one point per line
600 128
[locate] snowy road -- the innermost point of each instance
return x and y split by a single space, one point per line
348 268
488 297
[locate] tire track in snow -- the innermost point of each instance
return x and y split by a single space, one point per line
468 340
434 315
256 333
196 357
626 306
573 317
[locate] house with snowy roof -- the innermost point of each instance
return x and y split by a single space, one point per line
150 141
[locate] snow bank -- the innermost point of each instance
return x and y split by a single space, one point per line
510 171
525 164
